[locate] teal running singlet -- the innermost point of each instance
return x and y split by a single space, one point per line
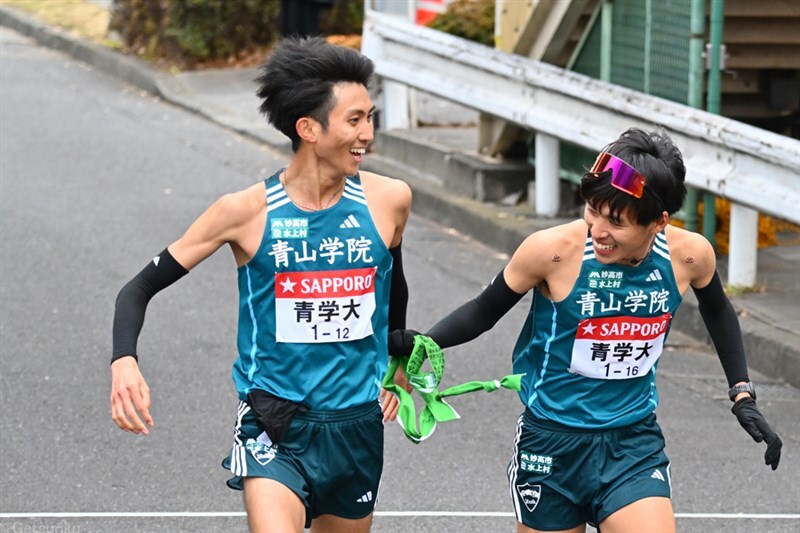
313 304
590 359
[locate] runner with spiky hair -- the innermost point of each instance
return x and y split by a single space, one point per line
317 246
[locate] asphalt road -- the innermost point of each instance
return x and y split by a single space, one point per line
95 179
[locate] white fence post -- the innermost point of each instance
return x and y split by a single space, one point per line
396 99
547 186
743 246
396 106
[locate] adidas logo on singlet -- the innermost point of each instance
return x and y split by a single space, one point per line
350 222
366 498
655 275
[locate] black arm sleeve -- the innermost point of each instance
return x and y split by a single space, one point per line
476 316
132 301
398 295
723 327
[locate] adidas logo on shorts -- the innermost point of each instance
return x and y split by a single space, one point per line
366 498
657 475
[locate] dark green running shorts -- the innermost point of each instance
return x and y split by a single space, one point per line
332 460
561 477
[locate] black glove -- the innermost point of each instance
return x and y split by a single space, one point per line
401 342
756 425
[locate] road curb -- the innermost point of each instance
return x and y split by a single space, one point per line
130 69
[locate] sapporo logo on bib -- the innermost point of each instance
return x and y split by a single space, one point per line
620 347
324 306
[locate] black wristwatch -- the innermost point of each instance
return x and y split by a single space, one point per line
744 387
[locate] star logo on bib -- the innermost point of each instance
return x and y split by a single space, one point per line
588 329
288 285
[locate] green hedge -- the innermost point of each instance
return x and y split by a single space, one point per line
470 19
345 18
187 32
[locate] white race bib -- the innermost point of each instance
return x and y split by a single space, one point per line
620 347
324 306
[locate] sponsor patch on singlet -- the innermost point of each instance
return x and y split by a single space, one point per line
288 228
324 306
618 347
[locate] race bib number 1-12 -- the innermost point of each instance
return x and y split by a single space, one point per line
324 306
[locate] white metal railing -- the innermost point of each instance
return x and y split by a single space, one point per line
757 170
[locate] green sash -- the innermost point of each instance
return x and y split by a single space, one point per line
426 384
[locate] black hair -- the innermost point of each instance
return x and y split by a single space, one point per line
655 156
298 79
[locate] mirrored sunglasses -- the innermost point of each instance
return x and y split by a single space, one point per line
623 176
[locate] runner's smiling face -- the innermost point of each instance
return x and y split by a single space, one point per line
618 240
350 129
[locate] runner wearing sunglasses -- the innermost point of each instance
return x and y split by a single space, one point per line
588 448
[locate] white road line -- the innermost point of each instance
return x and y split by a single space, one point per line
222 514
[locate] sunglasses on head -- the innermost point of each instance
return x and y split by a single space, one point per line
623 176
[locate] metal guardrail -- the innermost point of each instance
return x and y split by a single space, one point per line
749 166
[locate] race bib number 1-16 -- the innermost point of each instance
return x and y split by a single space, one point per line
324 306
620 347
